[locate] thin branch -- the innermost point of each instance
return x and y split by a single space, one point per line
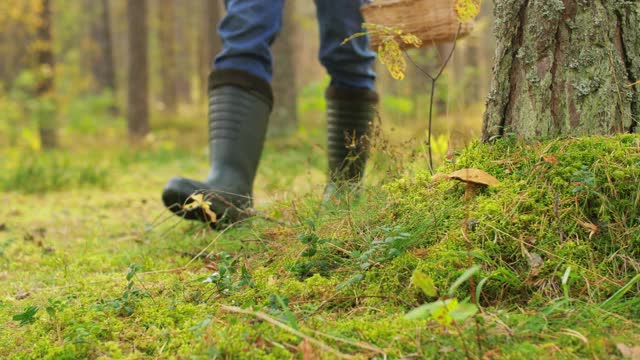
272 321
433 90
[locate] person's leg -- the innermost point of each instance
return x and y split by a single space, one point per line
247 31
240 101
349 65
351 99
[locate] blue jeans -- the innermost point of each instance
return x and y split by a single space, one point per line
250 27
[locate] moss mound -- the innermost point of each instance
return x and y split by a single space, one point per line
565 208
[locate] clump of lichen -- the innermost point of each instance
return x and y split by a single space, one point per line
570 203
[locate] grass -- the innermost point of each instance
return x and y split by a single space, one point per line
91 266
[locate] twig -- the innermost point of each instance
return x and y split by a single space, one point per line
343 298
434 79
272 321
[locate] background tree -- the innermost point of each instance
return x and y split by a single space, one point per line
284 116
138 92
167 43
564 67
209 41
44 91
101 56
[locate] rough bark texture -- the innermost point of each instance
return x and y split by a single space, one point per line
45 86
168 64
284 115
138 90
564 67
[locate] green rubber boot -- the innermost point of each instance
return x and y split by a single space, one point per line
350 113
239 108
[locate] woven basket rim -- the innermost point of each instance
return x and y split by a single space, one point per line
389 3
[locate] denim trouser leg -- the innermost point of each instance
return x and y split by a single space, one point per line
247 30
351 64
250 27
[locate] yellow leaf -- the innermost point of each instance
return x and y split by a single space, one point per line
390 56
198 202
466 10
442 316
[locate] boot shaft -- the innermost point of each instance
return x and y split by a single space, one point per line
350 113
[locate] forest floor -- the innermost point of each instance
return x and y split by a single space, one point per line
92 266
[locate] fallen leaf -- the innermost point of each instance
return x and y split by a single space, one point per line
447 349
22 295
535 262
198 202
551 159
491 354
591 228
306 350
3 227
629 352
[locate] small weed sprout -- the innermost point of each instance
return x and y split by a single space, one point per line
28 316
126 304
226 277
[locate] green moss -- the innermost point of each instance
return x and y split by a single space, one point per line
81 261
578 208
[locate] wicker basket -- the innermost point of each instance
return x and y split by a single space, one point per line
432 21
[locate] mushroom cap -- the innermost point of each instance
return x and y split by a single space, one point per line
474 176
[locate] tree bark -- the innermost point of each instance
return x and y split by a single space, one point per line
564 67
185 62
168 64
210 43
102 57
284 116
138 91
45 86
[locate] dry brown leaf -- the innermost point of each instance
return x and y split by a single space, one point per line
306 350
491 354
629 352
475 176
591 228
198 201
551 159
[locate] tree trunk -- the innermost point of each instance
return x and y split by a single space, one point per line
45 87
168 65
564 67
284 116
184 55
138 91
210 41
102 58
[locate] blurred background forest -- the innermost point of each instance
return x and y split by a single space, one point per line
92 73
66 72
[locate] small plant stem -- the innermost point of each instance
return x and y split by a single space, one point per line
433 90
145 289
464 343
434 79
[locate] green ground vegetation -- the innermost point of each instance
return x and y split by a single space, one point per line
92 266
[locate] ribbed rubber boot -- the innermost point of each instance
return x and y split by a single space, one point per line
239 108
350 113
